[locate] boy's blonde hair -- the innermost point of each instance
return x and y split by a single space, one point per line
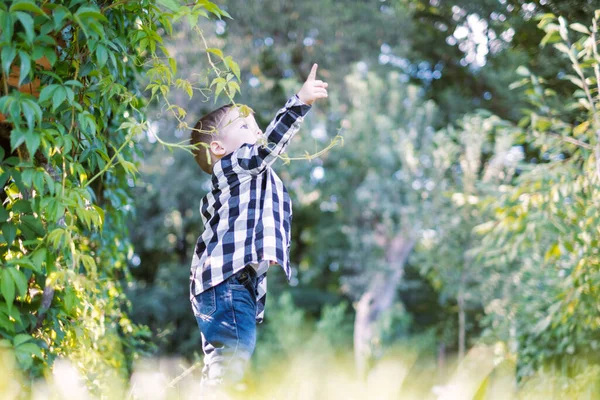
205 131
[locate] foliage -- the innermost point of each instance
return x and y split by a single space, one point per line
543 234
67 172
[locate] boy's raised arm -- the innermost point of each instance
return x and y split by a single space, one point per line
255 158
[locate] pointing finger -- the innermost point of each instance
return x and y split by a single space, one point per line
313 73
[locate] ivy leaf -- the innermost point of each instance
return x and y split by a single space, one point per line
20 339
20 280
26 6
581 128
58 15
58 97
169 4
7 287
32 111
30 349
235 68
90 12
215 51
17 137
7 26
32 141
25 66
27 22
173 65
55 237
220 87
24 352
8 55
70 299
51 56
101 55
47 93
9 231
38 258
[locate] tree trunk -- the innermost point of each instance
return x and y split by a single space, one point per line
461 324
441 357
379 297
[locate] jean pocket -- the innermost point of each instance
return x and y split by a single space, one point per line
206 303
244 280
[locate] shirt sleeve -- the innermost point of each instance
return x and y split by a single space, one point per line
254 158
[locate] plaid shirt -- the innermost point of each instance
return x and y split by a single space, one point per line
247 214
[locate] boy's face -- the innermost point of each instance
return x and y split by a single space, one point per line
234 131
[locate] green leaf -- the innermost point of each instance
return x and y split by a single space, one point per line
23 206
90 13
20 339
19 279
32 141
213 8
25 66
58 97
50 182
33 107
8 55
9 231
215 51
38 182
192 19
30 349
52 57
27 23
70 299
29 114
244 110
7 22
169 4
232 87
220 87
173 65
235 68
47 92
58 15
226 14
55 237
7 287
70 94
17 138
26 6
101 55
581 128
38 258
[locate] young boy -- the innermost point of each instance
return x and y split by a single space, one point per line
247 217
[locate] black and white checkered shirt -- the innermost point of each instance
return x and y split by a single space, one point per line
247 214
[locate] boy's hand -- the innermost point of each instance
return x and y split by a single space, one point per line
312 89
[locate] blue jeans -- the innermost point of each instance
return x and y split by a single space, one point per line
226 316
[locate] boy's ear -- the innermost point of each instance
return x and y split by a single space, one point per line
216 147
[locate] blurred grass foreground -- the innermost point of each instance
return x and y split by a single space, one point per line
487 372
